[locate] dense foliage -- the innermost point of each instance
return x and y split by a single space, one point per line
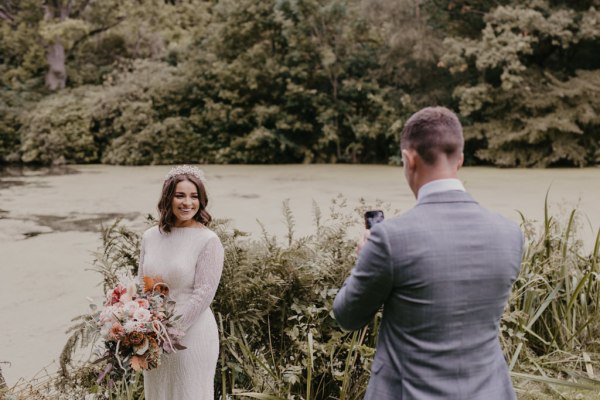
280 341
534 90
254 81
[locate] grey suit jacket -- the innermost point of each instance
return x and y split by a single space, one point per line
443 272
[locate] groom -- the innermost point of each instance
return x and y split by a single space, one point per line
443 272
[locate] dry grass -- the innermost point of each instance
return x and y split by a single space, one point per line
279 340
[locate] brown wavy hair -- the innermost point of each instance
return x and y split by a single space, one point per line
167 219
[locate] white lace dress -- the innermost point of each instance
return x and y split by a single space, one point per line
190 261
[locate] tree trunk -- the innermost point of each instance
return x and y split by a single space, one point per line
56 78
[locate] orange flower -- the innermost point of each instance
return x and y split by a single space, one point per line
149 283
139 363
155 284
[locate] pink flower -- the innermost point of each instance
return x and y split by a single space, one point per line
117 332
130 293
141 315
143 303
116 294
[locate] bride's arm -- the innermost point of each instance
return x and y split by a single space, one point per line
206 281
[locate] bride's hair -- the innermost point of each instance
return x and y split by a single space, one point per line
166 219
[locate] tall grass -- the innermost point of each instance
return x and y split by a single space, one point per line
552 324
280 341
274 306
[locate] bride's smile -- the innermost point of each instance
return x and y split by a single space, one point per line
185 203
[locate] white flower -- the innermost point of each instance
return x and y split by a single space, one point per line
132 326
110 314
125 278
105 315
142 315
130 308
105 329
117 311
141 349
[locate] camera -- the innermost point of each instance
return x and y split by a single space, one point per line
373 217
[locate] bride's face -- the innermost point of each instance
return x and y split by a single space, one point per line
185 203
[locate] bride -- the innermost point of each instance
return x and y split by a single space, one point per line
189 258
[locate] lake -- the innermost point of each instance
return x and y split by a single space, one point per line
50 220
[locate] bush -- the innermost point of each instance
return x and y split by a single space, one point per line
9 138
58 129
130 120
280 341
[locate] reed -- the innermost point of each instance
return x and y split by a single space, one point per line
552 323
280 341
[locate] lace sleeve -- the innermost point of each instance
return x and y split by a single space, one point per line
206 281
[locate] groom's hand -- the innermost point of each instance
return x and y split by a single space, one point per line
362 241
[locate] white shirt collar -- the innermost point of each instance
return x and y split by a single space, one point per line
440 185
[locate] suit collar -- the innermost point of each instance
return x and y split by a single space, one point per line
449 196
440 185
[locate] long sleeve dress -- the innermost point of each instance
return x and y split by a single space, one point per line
190 261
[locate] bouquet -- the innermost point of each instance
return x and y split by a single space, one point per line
137 325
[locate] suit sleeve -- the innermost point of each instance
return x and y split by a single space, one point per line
369 284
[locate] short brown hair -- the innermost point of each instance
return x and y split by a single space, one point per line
166 218
433 131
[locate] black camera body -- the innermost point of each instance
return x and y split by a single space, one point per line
373 217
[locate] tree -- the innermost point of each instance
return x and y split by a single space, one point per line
291 81
67 23
531 84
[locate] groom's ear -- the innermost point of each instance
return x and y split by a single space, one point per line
409 158
461 160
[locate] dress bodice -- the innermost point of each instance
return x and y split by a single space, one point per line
189 261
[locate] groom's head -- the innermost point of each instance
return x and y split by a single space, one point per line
432 146
433 132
